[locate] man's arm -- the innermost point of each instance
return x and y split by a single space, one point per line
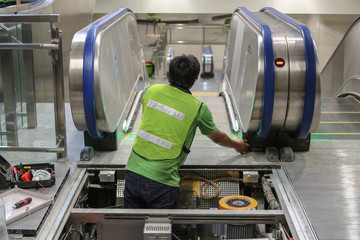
221 138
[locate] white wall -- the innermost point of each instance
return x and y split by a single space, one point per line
327 31
228 6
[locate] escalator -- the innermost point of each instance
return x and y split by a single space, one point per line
258 91
341 72
269 93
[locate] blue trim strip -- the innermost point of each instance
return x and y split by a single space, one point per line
351 26
171 52
269 74
33 2
88 71
310 61
212 59
203 58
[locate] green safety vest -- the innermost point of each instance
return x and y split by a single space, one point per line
167 116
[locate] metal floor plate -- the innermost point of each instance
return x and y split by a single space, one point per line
203 151
327 177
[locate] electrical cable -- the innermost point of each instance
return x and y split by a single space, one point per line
78 232
282 229
65 235
273 203
82 199
42 186
175 236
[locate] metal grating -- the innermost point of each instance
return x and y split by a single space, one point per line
120 186
157 231
158 228
228 188
240 231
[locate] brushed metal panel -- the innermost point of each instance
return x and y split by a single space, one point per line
117 67
281 82
244 71
297 73
75 79
297 82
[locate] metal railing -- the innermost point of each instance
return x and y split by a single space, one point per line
25 61
352 79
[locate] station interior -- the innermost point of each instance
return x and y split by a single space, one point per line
282 75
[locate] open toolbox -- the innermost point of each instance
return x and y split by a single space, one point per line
35 175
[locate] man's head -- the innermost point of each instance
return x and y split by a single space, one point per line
184 70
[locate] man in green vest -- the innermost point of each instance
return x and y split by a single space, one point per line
170 118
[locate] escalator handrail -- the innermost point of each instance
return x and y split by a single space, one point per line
310 61
269 74
212 59
341 41
203 58
35 2
88 68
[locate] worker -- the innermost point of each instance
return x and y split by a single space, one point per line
170 118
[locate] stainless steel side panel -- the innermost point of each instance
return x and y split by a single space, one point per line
317 108
297 82
281 88
244 71
76 86
289 80
297 73
244 78
118 66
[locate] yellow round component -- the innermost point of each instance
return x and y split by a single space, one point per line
237 202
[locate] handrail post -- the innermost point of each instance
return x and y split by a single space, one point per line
58 81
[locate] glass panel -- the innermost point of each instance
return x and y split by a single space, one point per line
215 35
186 35
197 34
158 58
26 89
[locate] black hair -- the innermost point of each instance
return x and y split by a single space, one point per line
183 71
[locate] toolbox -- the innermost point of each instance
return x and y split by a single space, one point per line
35 175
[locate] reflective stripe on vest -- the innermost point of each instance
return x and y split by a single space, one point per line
167 116
166 109
154 139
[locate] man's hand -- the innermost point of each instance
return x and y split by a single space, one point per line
242 146
221 138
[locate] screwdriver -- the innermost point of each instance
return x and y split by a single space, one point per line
22 203
16 174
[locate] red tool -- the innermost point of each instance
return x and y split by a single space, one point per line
16 174
22 203
26 177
